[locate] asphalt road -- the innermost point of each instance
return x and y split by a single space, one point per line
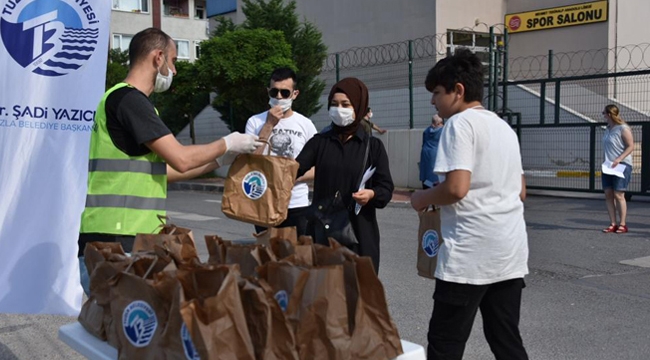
580 301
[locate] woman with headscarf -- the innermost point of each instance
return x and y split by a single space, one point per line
337 155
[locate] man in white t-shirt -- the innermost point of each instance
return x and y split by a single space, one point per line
287 132
484 256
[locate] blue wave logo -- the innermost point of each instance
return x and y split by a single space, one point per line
254 185
430 243
283 299
49 37
139 323
188 345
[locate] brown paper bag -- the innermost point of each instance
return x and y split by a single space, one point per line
103 261
270 330
315 303
429 242
180 247
258 189
175 342
375 335
139 310
287 233
216 249
211 307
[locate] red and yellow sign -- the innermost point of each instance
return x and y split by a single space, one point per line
570 15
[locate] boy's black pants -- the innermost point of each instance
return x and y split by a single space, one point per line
454 311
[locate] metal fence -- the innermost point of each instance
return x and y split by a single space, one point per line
553 101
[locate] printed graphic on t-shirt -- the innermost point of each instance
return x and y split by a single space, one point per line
282 142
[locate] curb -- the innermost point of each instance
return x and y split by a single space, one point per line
218 188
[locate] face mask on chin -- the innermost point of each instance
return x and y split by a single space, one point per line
285 104
163 82
341 116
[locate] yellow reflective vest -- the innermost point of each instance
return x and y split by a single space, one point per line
125 193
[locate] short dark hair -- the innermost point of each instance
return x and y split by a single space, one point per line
145 42
463 67
284 73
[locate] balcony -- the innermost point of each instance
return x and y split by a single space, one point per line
185 9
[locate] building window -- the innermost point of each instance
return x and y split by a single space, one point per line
478 43
121 41
176 8
197 49
183 48
131 5
199 12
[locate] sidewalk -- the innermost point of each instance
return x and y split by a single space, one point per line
401 196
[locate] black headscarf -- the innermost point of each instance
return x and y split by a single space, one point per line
357 92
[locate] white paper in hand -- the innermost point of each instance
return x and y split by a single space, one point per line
366 176
616 171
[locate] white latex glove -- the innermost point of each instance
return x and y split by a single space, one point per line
241 143
227 158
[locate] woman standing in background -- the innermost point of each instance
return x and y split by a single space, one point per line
618 144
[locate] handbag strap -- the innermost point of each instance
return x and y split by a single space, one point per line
365 159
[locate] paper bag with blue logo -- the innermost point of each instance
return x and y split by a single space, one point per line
258 189
140 307
429 242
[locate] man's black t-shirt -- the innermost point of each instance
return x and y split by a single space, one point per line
132 121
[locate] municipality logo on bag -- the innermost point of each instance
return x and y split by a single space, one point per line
283 299
49 37
139 323
254 185
188 345
430 243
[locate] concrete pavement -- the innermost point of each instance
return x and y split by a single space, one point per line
587 294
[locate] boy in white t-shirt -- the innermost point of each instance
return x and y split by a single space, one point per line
287 132
484 256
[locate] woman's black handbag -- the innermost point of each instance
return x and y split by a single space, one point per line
331 217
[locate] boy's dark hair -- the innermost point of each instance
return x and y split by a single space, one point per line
284 73
146 41
463 67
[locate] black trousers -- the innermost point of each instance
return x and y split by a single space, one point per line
295 217
455 308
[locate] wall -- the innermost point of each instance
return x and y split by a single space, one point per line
129 23
462 14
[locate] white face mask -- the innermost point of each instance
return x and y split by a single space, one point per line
285 104
341 116
163 82
605 117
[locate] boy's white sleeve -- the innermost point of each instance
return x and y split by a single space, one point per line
311 130
456 147
252 126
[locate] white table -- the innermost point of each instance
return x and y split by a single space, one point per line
75 336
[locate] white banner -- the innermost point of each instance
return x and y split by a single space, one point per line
52 67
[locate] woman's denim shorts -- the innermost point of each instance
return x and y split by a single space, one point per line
618 183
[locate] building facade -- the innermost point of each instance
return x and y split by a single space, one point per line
185 21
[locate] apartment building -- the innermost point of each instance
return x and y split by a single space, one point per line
185 21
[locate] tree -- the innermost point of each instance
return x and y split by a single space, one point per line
183 101
117 67
236 66
307 52
307 48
